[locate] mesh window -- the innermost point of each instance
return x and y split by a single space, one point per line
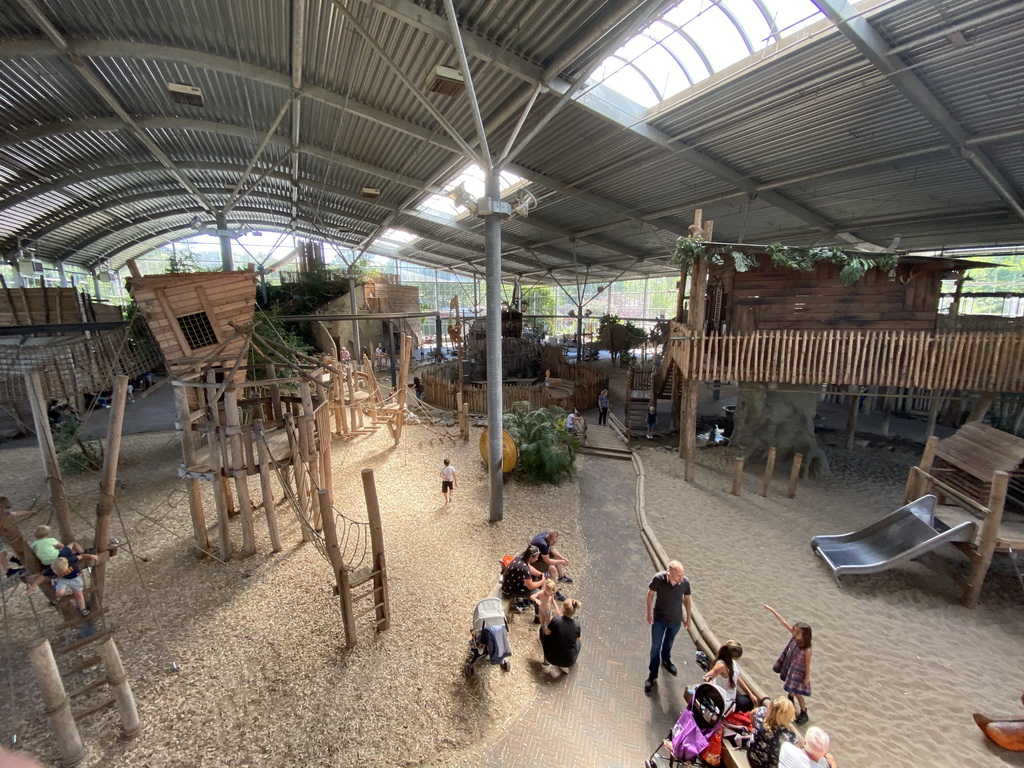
197 330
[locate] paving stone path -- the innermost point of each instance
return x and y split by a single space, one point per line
598 715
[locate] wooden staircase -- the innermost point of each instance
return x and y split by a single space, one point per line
639 397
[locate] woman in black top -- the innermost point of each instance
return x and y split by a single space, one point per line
560 637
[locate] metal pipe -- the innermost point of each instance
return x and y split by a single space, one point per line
357 352
474 105
354 316
225 243
492 249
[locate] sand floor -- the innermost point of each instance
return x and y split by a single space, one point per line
898 665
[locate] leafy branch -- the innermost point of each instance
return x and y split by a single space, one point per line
854 265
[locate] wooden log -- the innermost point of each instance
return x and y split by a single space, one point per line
269 508
989 537
737 476
57 703
51 464
105 505
769 470
188 449
794 474
300 482
380 580
307 446
117 679
688 430
238 469
933 413
851 415
336 559
981 407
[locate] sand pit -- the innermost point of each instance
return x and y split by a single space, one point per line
898 664
265 679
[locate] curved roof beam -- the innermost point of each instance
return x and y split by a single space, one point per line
866 39
64 48
226 129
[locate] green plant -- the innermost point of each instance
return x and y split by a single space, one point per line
547 453
74 454
854 265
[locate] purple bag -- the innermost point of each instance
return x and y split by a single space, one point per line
687 740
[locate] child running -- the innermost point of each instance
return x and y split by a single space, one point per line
794 665
448 480
547 603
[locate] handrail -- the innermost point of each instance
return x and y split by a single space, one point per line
977 361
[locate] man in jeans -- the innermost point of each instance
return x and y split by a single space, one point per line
667 595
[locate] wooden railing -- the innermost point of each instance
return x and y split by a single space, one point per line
983 361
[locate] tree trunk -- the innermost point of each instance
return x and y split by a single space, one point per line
780 419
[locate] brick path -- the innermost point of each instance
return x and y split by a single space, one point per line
598 715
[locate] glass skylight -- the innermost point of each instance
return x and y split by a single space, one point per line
471 179
695 39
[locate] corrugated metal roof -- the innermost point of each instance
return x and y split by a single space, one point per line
810 144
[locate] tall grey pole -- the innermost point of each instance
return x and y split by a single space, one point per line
492 252
357 353
226 263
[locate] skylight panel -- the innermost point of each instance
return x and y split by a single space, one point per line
663 70
793 15
715 27
754 24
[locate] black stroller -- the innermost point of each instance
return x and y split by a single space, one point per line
689 736
489 636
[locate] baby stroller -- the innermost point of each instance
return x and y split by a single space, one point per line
489 636
689 736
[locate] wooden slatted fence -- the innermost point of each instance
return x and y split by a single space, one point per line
979 361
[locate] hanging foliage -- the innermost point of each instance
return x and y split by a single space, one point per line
854 265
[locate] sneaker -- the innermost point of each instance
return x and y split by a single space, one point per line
83 611
670 667
559 596
545 665
649 437
802 717
648 685
536 619
565 670
565 579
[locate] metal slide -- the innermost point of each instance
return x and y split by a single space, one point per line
905 534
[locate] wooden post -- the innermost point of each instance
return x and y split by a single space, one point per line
933 413
989 537
769 470
337 561
688 428
300 480
307 446
269 508
921 485
463 432
326 463
105 505
188 450
851 415
57 703
118 681
980 409
36 398
403 388
794 474
737 476
238 468
380 571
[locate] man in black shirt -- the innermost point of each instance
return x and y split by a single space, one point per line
667 595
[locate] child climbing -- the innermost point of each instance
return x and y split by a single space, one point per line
547 603
794 665
66 576
47 548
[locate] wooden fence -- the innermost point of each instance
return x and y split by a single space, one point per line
982 361
573 386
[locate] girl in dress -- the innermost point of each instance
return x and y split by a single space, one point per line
794 665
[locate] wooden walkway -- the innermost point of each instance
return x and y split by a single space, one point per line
605 441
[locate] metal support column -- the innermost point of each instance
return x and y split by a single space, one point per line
226 263
492 251
357 353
